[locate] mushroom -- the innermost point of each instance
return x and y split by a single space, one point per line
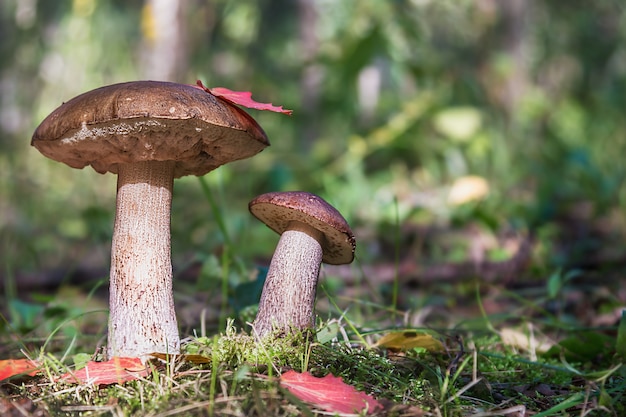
148 133
312 231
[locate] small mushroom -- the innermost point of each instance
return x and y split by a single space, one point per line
312 231
148 133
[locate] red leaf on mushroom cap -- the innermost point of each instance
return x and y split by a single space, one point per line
242 98
114 371
329 393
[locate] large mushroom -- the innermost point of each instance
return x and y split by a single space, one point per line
148 133
312 231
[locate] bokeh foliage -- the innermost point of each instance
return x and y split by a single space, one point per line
393 101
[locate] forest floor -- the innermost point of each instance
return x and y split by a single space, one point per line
483 336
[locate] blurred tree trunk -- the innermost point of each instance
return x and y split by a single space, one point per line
311 76
516 15
164 47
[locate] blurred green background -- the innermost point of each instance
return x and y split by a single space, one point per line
413 117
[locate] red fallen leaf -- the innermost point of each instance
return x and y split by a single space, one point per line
12 367
114 371
241 98
329 393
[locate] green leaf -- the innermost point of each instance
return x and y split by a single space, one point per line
24 315
458 123
584 347
81 359
554 284
558 279
328 332
248 294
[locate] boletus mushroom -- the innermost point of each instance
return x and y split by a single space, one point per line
311 232
148 133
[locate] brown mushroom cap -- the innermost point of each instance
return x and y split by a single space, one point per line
149 121
278 209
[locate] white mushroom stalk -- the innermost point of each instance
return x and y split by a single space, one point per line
289 291
312 232
141 267
149 133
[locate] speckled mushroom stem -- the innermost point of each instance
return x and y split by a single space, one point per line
142 318
288 297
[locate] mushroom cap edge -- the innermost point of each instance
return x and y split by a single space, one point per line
278 209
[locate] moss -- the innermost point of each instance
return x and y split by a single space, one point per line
234 349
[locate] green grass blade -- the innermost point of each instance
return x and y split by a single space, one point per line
397 238
217 213
620 345
563 405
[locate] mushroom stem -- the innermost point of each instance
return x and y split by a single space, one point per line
288 297
142 318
